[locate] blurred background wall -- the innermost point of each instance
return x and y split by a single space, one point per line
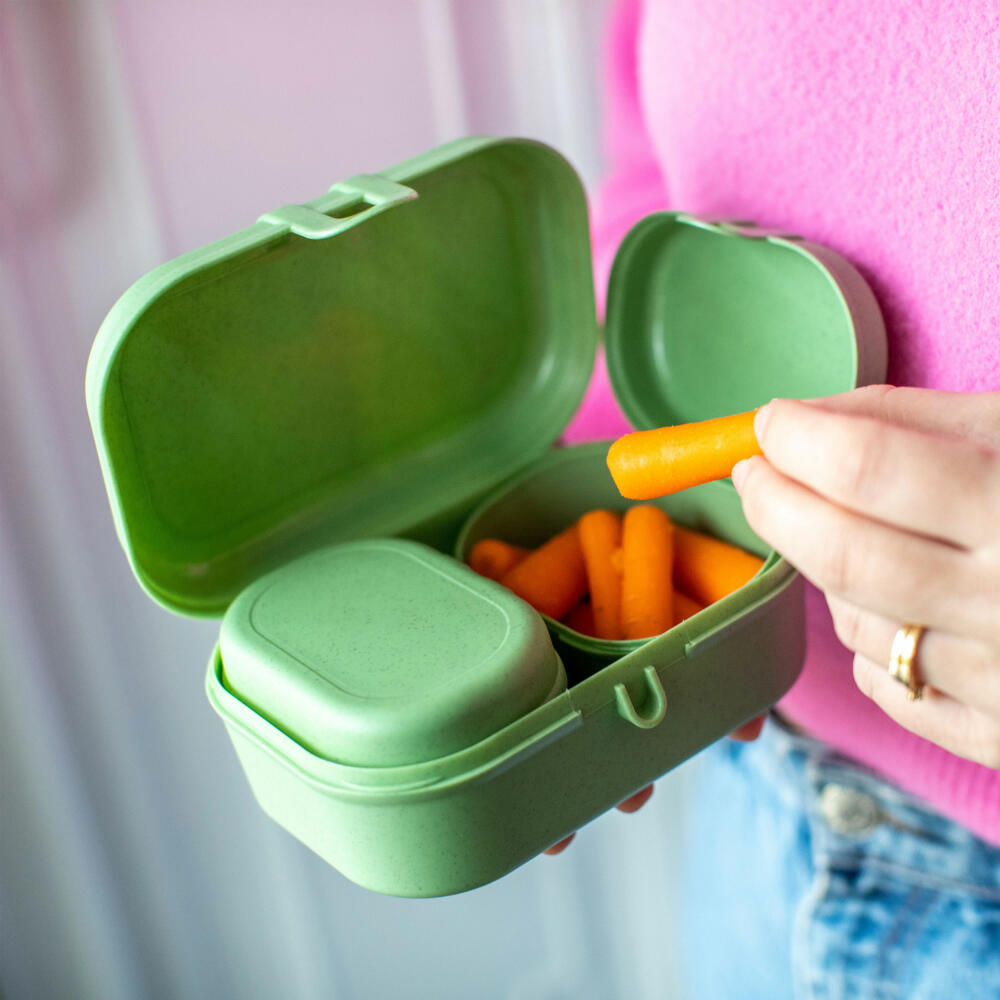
134 861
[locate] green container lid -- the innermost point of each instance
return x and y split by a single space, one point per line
706 319
386 652
343 369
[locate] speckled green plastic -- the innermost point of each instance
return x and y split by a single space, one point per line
367 364
386 652
396 359
711 318
464 820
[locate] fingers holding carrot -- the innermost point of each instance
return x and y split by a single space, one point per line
885 499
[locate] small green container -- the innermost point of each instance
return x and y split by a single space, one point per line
385 652
298 422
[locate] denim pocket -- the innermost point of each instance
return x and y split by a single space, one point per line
904 904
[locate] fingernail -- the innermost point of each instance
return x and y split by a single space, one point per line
739 473
760 421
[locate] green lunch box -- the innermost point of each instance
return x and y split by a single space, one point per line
300 424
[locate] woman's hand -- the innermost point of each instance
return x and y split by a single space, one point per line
888 499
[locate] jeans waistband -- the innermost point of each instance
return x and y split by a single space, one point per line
856 818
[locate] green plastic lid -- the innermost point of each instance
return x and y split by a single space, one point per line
343 369
386 652
706 319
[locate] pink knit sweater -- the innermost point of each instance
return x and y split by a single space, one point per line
872 127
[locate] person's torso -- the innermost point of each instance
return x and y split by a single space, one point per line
872 127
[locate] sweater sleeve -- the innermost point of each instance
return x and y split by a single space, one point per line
633 187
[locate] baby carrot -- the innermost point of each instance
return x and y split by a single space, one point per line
553 577
600 536
684 606
647 558
581 618
618 560
492 558
707 568
650 464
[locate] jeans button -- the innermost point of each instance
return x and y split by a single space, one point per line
848 811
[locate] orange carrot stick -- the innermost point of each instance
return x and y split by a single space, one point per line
684 606
618 560
600 537
492 558
707 568
553 577
647 558
581 618
650 464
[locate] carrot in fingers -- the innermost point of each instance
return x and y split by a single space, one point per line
600 537
650 464
492 558
684 606
708 569
553 577
647 558
581 618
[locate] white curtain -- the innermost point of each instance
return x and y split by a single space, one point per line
134 861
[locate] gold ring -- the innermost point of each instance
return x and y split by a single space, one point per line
902 659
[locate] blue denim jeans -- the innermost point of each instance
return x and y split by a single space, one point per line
809 877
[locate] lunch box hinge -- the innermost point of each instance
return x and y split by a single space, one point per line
736 227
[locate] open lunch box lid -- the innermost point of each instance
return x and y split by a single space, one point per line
701 327
342 369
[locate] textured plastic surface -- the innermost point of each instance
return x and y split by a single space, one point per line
462 821
706 319
348 368
386 652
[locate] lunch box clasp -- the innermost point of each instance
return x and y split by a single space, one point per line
654 703
359 198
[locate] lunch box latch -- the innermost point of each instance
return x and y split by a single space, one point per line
653 704
357 199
